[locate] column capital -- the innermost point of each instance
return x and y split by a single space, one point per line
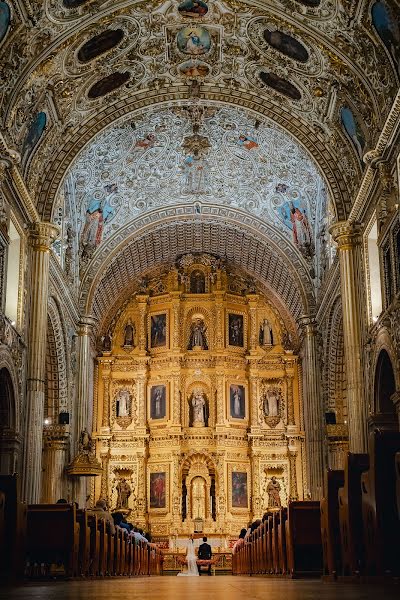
308 324
346 234
86 324
42 235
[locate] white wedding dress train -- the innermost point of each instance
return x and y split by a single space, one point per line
192 570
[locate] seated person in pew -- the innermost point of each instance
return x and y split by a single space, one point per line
240 542
139 537
119 521
101 511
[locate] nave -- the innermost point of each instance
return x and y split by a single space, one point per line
213 588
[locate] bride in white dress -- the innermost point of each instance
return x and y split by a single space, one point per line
191 568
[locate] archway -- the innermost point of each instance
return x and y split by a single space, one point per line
8 435
385 386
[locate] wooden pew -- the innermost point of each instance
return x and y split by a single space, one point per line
303 539
397 460
350 515
12 553
94 567
111 540
274 543
330 530
101 526
282 540
84 542
2 521
379 506
270 525
53 536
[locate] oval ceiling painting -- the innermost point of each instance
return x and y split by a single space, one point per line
108 84
283 86
310 3
388 29
194 40
190 8
33 136
286 44
5 17
99 44
74 3
194 68
353 130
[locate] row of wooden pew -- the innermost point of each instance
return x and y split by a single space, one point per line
353 532
59 540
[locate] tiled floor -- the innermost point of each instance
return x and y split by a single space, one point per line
204 588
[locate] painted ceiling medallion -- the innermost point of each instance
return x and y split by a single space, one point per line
74 3
282 86
5 17
194 41
108 84
99 44
286 44
191 8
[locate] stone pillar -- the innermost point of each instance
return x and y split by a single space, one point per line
313 413
55 458
348 237
142 334
85 329
41 236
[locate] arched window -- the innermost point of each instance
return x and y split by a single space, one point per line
385 385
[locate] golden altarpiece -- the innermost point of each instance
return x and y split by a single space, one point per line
198 404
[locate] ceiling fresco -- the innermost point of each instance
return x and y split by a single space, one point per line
196 155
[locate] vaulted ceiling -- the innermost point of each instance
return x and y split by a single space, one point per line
103 100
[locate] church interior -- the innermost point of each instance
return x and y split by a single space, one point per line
200 291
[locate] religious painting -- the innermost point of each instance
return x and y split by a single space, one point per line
387 26
353 129
310 3
5 16
158 402
108 84
158 330
194 172
158 487
235 333
239 490
74 3
237 401
271 404
191 8
194 41
194 69
286 44
295 216
283 86
99 44
247 142
98 212
33 136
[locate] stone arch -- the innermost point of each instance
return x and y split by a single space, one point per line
56 383
9 416
188 471
336 400
385 381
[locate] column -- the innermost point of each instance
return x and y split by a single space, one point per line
176 399
289 399
55 457
253 330
85 329
254 404
142 334
176 313
41 236
313 413
141 401
106 364
220 394
293 492
348 238
219 320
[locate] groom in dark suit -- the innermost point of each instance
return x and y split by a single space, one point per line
204 553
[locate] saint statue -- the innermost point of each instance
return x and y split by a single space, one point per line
124 491
198 335
273 489
123 402
129 334
271 403
198 409
85 442
107 343
266 335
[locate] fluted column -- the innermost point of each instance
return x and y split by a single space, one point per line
85 329
313 413
348 238
106 378
55 458
41 236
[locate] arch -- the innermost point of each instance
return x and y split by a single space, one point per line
56 385
9 421
385 385
335 375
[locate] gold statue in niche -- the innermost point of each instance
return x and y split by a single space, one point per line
199 409
198 340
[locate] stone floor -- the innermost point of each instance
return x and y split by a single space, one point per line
205 588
